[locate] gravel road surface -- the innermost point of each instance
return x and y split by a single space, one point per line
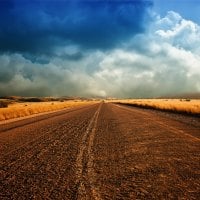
102 151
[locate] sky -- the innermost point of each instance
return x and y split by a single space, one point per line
99 48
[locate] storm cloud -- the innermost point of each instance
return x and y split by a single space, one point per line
96 48
39 27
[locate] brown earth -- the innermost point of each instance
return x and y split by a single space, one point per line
102 151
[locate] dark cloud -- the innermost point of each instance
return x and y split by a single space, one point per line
39 26
50 48
74 57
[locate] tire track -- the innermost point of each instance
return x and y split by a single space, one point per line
84 163
70 144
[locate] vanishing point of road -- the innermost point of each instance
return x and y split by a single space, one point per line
101 151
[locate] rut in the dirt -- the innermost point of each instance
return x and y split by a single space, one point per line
84 163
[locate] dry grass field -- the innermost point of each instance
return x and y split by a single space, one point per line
25 108
175 105
16 110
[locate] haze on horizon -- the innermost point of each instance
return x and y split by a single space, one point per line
119 48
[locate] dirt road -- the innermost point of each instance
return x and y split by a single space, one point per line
102 151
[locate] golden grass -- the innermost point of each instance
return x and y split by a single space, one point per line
175 105
17 110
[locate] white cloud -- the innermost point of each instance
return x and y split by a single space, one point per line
164 60
159 62
179 32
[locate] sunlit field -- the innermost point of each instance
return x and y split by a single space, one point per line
16 110
174 105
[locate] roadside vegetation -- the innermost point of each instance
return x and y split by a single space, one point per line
186 106
16 107
3 104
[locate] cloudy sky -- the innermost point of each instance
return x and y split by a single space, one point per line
108 48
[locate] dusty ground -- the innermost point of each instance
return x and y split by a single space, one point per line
102 151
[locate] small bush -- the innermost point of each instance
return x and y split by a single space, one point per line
31 99
187 100
3 104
